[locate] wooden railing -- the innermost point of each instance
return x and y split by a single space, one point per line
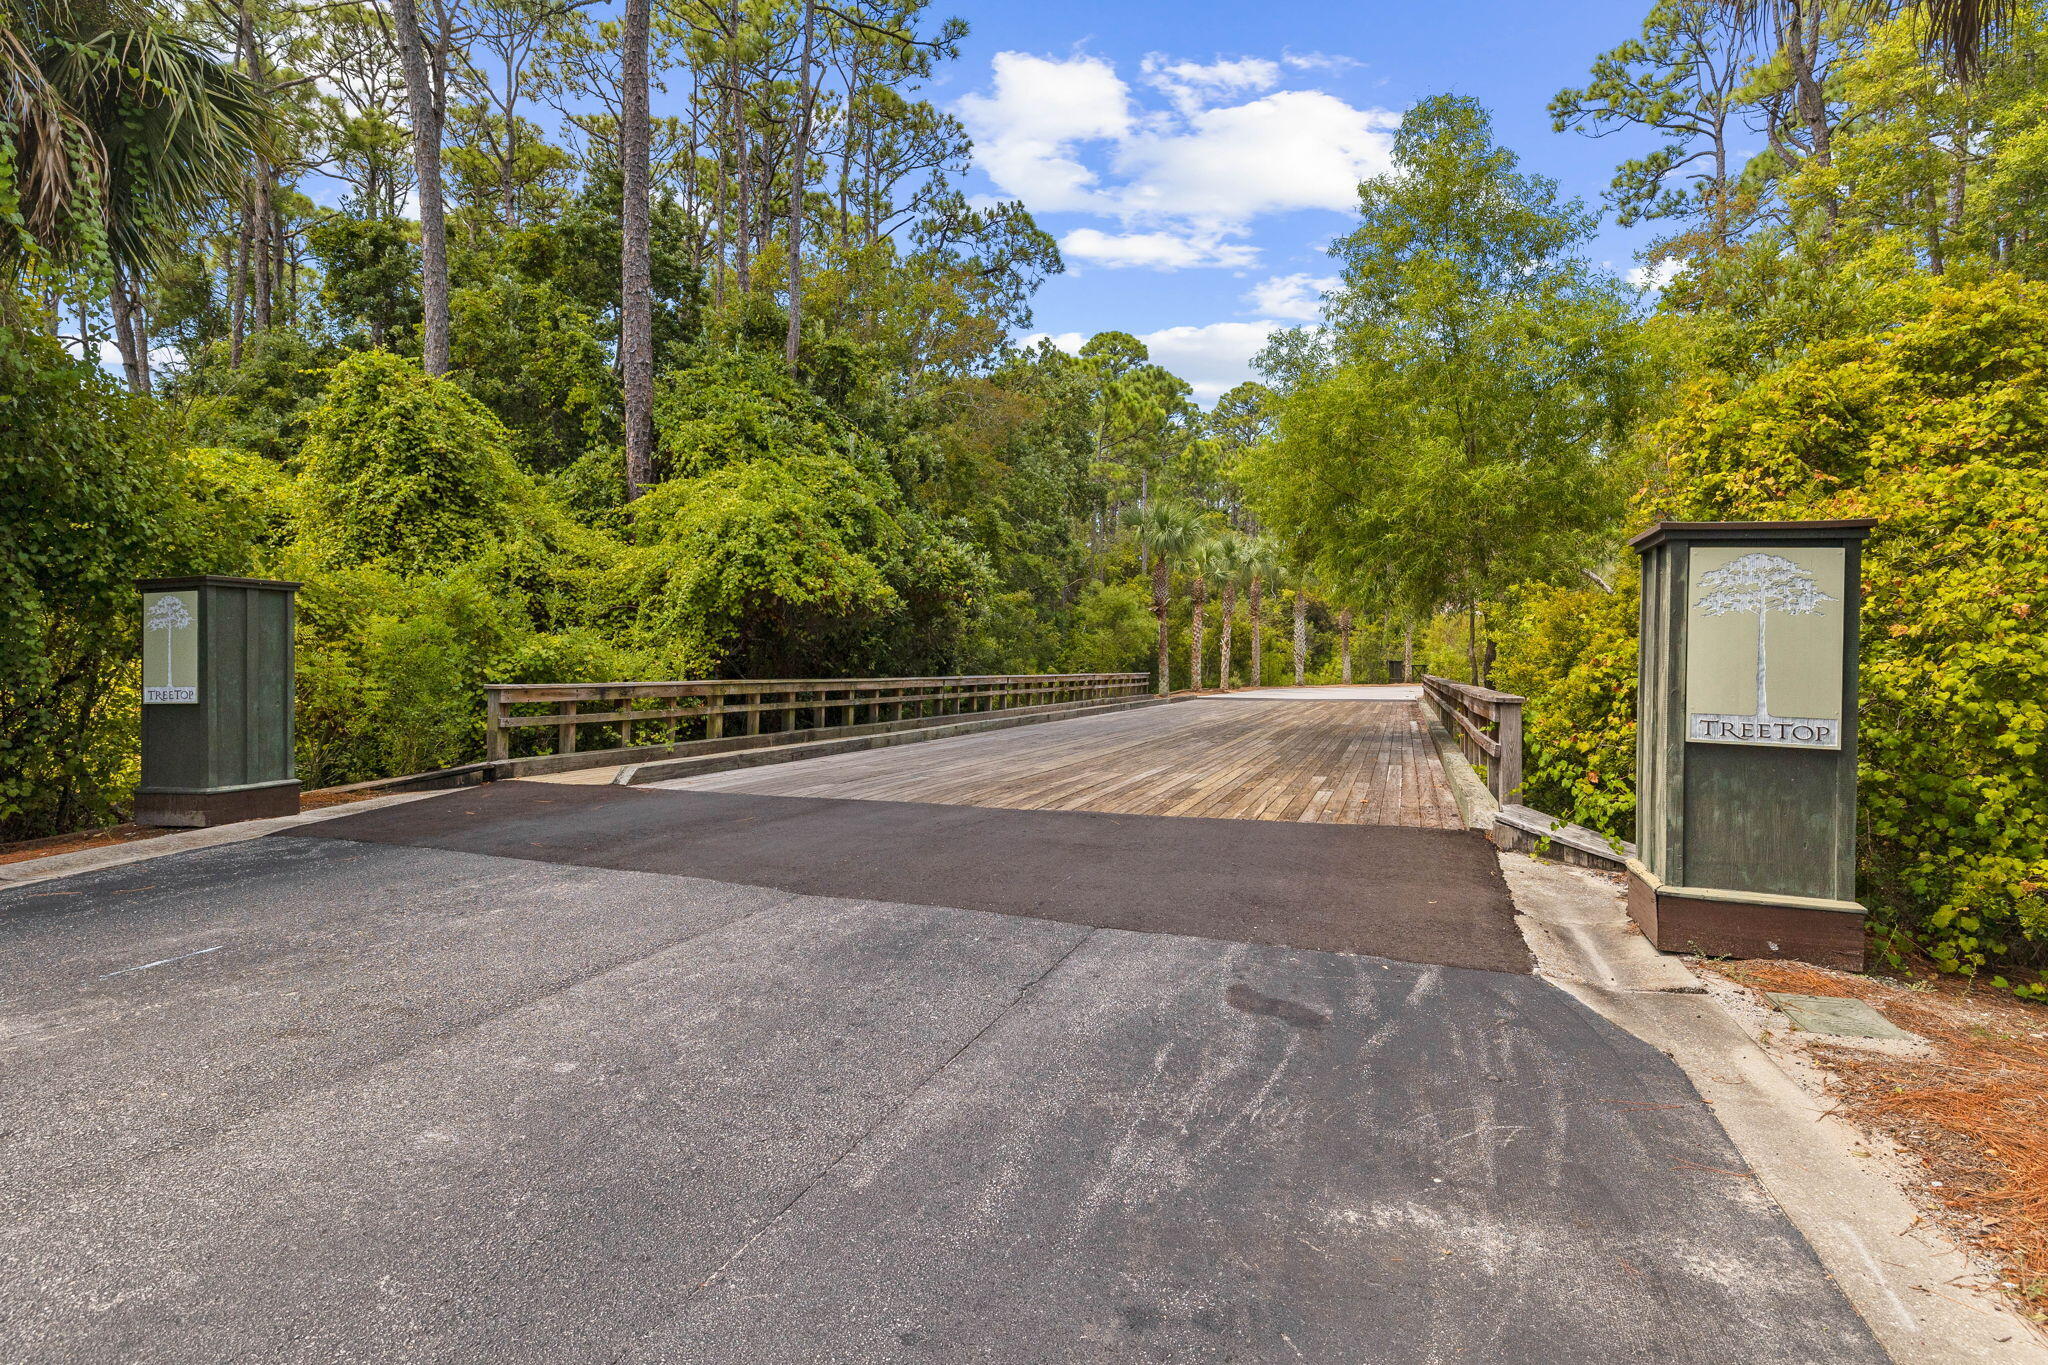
1488 727
650 714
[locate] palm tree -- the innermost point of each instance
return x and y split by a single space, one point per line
1262 564
1231 563
1207 559
1300 630
120 130
1166 532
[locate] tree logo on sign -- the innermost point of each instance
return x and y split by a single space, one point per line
167 614
1761 584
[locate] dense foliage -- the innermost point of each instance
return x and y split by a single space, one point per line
96 499
1854 316
1457 431
1935 425
853 470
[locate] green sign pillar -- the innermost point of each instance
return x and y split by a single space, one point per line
216 701
1746 740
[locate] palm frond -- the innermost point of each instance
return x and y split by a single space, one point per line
110 109
55 164
1956 30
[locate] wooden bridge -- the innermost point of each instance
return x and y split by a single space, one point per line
1351 755
1355 756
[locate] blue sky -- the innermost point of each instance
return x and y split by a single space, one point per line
1194 159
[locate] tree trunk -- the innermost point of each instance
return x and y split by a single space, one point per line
260 250
1159 591
138 321
799 173
508 208
636 287
125 334
1144 489
1258 631
280 303
720 138
426 162
1199 601
1300 637
1801 38
1223 654
238 294
743 214
1344 635
1408 651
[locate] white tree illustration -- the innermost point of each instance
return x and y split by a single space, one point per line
1762 584
167 614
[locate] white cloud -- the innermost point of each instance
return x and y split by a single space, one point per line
1212 358
1070 342
1065 134
1026 131
1158 250
1319 61
1192 85
1656 275
1293 149
1297 297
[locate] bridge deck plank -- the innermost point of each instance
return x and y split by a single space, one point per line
1319 762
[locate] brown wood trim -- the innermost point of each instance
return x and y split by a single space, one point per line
1750 929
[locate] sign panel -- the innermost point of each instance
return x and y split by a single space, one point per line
170 648
1764 646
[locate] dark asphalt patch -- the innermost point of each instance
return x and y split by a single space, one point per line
1415 895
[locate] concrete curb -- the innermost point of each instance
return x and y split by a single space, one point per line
33 870
1476 805
1898 1269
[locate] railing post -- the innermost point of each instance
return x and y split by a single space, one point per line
497 744
565 731
1507 733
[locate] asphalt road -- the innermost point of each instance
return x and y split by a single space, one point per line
313 1099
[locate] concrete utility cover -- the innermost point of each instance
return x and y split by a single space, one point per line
1837 1016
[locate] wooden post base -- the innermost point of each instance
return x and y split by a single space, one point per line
205 809
1715 923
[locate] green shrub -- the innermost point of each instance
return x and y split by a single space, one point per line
404 469
432 565
94 499
782 545
1114 629
1935 426
533 358
1572 653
